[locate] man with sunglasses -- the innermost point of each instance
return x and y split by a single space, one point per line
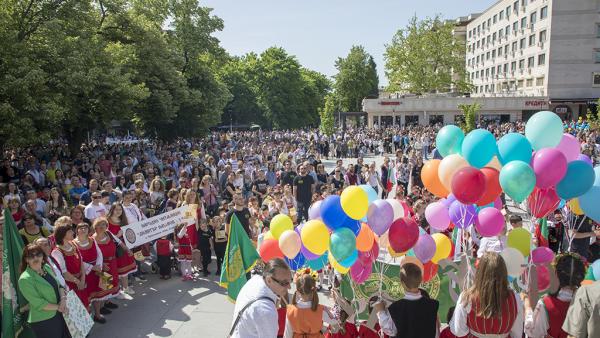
96 208
255 314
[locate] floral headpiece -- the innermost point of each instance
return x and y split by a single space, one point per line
306 271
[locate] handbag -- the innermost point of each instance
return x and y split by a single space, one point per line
78 320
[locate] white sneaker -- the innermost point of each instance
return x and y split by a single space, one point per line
129 290
122 295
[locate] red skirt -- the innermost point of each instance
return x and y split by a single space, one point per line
126 264
108 254
184 254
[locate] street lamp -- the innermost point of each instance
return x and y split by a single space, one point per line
230 120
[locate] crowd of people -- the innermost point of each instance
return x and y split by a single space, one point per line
69 210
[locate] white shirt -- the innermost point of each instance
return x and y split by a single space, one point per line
259 320
289 331
92 211
491 244
536 321
458 324
133 213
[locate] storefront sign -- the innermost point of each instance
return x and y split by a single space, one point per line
390 103
536 103
158 226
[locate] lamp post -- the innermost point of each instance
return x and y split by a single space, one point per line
230 120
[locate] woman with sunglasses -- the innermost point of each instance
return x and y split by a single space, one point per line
45 295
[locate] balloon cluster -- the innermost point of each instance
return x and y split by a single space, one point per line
346 231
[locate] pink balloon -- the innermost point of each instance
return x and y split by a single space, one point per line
425 248
368 257
542 255
498 203
360 273
437 216
489 222
569 146
543 278
549 166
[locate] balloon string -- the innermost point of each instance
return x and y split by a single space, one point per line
571 238
354 304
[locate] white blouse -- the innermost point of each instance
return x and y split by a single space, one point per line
327 318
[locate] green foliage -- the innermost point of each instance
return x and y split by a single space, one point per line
469 111
425 57
327 125
356 79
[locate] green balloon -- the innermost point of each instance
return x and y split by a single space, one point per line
520 239
342 243
449 140
544 130
517 179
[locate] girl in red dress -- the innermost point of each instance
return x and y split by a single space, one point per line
125 263
70 262
109 262
92 261
185 250
191 198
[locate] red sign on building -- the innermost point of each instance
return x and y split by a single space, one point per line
390 103
536 103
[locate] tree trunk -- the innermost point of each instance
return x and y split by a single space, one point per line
75 137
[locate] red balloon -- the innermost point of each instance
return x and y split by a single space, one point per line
542 202
492 186
468 185
270 249
403 234
430 269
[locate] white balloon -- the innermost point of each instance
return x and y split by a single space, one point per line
397 207
514 261
290 243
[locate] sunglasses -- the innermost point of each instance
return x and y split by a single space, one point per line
35 254
96 197
284 284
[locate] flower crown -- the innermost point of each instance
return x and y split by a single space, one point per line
564 254
306 271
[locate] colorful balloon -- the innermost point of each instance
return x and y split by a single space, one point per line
462 215
549 166
493 189
314 212
403 234
443 247
332 213
317 263
448 167
517 180
380 216
520 239
514 261
449 140
281 223
575 207
429 271
494 163
397 207
350 260
296 262
290 243
431 179
355 202
542 255
596 269
342 243
544 130
371 193
412 260
542 202
315 237
579 178
489 222
589 200
425 248
337 266
269 250
468 185
585 158
514 147
307 254
365 238
360 273
437 216
569 146
478 148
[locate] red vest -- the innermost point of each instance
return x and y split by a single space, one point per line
163 247
494 325
556 310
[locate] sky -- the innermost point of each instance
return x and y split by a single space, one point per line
317 32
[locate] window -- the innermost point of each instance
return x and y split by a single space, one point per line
499 51
489 23
596 79
483 25
514 47
597 55
529 83
508 10
541 59
495 18
506 67
543 36
523 2
481 73
493 54
487 55
544 12
520 84
469 34
515 26
501 15
532 40
506 50
507 30
539 81
477 59
513 66
488 39
477 43
531 62
499 70
478 29
487 72
492 71
494 37
533 18
516 7
524 22
522 43
598 30
521 63
501 33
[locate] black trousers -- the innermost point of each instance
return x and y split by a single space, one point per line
302 211
164 265
220 253
206 256
54 327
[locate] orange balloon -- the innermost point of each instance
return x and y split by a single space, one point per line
364 240
431 180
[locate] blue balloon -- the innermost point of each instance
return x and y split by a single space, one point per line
348 262
332 213
342 243
514 147
562 204
577 181
544 130
318 263
517 179
297 262
449 140
589 201
479 147
596 269
353 225
371 193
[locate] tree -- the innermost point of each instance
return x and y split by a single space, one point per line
426 57
356 79
469 111
326 114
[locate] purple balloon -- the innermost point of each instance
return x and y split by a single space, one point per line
462 215
314 211
585 158
498 203
541 255
360 273
380 216
437 216
448 200
425 248
569 146
549 166
307 254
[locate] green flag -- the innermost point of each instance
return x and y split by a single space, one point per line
12 318
240 257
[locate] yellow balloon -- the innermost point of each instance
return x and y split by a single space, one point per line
394 253
575 207
494 163
519 239
355 202
443 246
268 235
281 223
448 167
315 236
337 265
